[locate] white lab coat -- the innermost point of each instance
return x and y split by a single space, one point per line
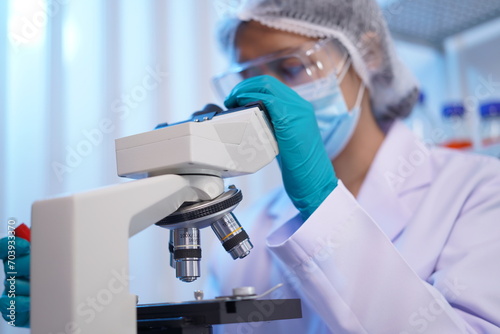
418 251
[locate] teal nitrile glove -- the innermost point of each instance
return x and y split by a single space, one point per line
15 300
307 172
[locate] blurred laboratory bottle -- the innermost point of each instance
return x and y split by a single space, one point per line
490 128
457 135
420 122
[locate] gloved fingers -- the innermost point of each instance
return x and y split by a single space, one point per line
18 265
296 127
233 100
13 247
16 310
19 286
282 119
285 106
244 98
263 84
21 319
21 303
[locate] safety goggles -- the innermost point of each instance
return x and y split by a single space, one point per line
292 66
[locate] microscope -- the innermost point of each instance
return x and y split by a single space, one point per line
79 242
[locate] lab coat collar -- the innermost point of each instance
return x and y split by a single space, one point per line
402 160
401 166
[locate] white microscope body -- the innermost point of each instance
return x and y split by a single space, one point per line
80 265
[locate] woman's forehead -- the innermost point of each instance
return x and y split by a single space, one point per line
254 40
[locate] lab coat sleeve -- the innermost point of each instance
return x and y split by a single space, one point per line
347 269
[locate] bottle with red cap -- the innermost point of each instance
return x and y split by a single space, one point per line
457 134
490 128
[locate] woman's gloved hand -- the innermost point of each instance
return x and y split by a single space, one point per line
307 172
15 300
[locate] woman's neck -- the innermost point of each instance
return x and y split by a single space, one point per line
353 163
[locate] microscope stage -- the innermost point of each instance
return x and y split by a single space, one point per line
155 318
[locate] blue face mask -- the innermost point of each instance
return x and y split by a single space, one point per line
336 123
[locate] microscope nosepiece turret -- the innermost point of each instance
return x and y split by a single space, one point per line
185 225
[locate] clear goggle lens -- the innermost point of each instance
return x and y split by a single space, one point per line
294 67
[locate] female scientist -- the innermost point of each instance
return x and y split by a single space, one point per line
396 237
375 231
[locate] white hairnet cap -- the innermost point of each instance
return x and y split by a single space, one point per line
357 24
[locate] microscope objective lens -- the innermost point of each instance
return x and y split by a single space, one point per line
187 253
233 237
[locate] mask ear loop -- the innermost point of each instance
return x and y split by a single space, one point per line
344 67
361 92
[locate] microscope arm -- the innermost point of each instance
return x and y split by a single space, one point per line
80 268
